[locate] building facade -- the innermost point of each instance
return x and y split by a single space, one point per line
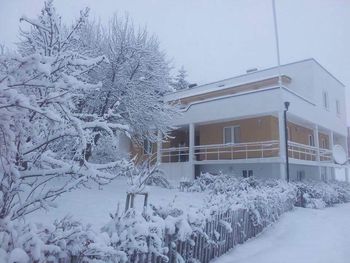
236 125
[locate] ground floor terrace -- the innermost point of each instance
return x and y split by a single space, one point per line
250 145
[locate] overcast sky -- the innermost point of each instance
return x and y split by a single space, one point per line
216 39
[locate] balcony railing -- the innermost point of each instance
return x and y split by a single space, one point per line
302 151
233 151
175 154
236 151
308 153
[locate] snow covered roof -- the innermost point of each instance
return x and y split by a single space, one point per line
247 78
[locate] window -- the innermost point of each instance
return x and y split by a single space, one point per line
247 173
147 147
324 143
311 140
232 134
300 175
337 103
325 100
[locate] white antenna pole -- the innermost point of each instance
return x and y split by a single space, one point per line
277 44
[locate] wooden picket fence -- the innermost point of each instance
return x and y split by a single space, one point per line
216 238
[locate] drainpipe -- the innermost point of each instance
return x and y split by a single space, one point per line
286 106
191 148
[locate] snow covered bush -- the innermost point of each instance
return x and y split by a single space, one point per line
136 234
317 194
63 240
265 201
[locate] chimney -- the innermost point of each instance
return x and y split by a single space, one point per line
251 70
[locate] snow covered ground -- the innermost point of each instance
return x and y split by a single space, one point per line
94 205
300 236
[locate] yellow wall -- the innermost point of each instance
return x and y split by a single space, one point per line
252 130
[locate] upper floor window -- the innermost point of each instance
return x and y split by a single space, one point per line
232 134
147 147
337 105
324 143
325 100
311 140
300 175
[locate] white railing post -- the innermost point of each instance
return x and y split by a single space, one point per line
191 142
331 140
317 145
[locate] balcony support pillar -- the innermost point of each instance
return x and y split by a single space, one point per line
317 145
347 174
191 147
331 140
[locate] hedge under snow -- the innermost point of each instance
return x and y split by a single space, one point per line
141 232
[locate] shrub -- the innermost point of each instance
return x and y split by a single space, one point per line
316 194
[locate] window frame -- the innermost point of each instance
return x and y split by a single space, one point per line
325 100
324 143
147 147
337 107
247 173
232 131
311 140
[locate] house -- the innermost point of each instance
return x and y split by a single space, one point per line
237 126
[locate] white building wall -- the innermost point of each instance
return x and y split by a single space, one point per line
254 103
177 172
260 171
266 171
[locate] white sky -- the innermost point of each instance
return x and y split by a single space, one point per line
216 39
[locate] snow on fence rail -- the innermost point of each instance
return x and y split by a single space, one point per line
222 233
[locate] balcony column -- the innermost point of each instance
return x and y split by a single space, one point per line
317 145
159 147
282 145
191 148
191 142
331 144
331 140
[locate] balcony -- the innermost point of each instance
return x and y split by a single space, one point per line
245 151
234 151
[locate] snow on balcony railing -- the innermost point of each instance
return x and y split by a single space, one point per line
326 155
232 151
308 153
302 151
175 154
235 151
